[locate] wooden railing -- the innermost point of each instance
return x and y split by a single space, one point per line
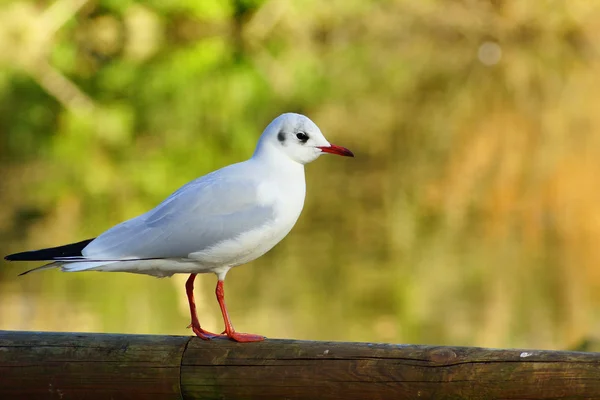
46 365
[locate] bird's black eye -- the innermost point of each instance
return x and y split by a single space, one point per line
303 137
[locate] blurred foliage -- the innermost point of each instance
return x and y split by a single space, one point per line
468 217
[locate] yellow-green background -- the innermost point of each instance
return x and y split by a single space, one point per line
470 215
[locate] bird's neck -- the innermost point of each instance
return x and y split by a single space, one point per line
277 160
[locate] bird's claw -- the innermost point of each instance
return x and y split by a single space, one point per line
235 336
203 334
245 337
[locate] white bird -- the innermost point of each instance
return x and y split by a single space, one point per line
221 220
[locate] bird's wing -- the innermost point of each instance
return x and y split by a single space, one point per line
198 216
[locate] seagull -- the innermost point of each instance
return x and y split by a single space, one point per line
221 220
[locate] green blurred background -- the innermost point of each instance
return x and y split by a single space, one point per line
469 217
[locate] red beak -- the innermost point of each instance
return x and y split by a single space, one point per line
339 150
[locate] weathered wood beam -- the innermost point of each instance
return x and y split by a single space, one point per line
46 365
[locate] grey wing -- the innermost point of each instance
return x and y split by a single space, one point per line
199 215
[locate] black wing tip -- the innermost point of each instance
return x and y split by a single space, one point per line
69 250
24 256
34 255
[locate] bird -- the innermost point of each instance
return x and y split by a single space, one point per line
218 221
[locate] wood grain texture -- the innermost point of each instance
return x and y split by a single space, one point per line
45 365
283 369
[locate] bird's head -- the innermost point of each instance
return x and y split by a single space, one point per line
299 138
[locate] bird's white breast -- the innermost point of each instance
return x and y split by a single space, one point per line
286 195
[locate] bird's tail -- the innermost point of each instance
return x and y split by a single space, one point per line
43 267
70 266
83 265
69 257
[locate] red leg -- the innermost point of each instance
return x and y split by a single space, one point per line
195 325
229 331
